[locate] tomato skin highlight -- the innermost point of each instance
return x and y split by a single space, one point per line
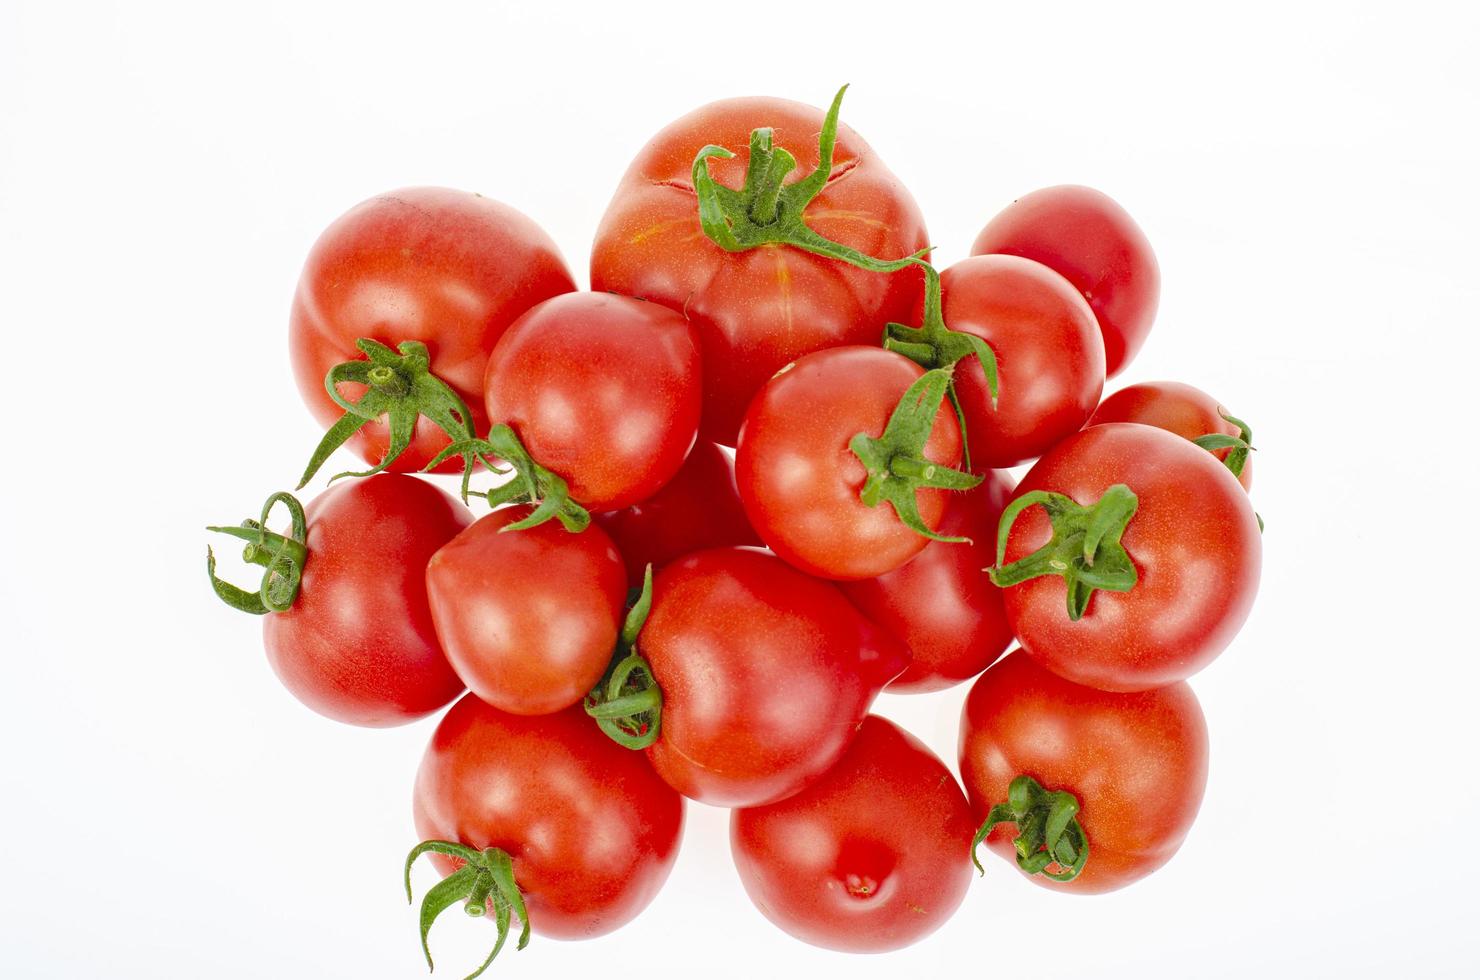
941 604
1195 543
869 858
601 389
529 618
800 482
358 644
757 311
1137 763
1179 408
449 268
699 508
592 831
1091 241
766 674
1050 358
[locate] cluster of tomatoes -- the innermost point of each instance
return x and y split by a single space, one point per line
638 619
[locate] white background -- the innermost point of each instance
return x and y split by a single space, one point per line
1307 175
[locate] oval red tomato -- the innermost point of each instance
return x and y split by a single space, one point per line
871 857
1137 764
448 268
1178 408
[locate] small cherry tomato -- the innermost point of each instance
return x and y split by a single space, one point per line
1186 411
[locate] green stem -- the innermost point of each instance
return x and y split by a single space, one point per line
1049 833
283 557
627 703
1241 445
532 483
486 874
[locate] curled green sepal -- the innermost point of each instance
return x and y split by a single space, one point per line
767 211
627 702
532 483
402 388
896 463
1085 549
1048 830
486 875
281 556
1241 444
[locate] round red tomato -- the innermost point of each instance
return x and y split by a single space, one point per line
801 483
941 604
1193 542
757 311
603 390
1050 359
765 672
1090 240
1136 763
699 508
1181 409
591 830
529 618
871 857
448 268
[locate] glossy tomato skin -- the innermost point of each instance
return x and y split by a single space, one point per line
1050 359
1090 240
941 605
766 674
1195 544
699 508
358 644
757 311
449 268
601 389
800 482
1178 408
1137 763
869 858
592 831
529 618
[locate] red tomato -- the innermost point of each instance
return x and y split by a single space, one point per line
765 672
1178 408
449 268
870 857
1137 764
1090 240
592 831
799 480
1050 360
603 390
529 618
1193 540
699 508
757 311
941 605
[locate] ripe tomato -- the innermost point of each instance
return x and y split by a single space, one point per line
941 604
758 310
765 673
699 508
1136 763
1184 410
801 483
1090 240
602 390
529 617
1193 542
870 857
1050 359
591 830
448 268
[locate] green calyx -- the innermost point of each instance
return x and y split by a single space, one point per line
281 556
1085 549
399 386
532 483
627 702
766 210
1049 833
895 461
486 876
1240 445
